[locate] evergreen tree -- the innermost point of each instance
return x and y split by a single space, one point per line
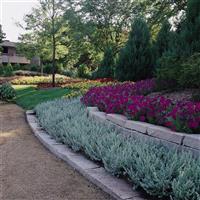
163 39
105 69
186 40
135 60
192 28
2 36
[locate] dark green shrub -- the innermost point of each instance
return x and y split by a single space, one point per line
189 75
1 70
70 72
190 32
179 64
196 96
106 68
84 71
135 59
162 40
167 74
34 68
7 70
178 73
47 68
17 67
7 92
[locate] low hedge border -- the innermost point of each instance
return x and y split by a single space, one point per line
160 172
117 188
161 134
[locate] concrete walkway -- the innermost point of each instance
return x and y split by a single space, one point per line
29 171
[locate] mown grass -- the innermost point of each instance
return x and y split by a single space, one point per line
28 96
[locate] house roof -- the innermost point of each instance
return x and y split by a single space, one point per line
7 43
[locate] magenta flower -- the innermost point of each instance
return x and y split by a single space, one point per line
128 99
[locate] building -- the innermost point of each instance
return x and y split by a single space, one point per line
9 54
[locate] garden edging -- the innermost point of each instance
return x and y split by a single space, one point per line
142 129
117 188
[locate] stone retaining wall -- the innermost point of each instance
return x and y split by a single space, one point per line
118 188
156 133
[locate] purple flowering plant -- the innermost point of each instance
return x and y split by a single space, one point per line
129 99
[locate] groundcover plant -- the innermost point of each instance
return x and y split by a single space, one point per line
157 170
129 99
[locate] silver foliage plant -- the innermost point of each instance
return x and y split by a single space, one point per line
152 167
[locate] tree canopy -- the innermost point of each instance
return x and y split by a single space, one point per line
2 36
85 29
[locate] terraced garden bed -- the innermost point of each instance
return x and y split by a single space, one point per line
158 171
132 100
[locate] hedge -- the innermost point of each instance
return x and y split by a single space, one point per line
160 172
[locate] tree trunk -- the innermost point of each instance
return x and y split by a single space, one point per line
53 62
53 46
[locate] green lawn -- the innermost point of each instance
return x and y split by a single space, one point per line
29 96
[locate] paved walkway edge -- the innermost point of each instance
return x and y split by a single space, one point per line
117 188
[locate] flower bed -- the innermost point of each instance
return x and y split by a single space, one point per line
81 87
129 99
34 80
47 85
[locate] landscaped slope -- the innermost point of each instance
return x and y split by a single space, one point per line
129 99
158 171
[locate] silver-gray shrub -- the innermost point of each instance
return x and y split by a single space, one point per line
159 171
187 185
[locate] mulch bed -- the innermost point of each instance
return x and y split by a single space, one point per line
48 85
176 96
7 79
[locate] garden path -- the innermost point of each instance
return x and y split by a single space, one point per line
29 171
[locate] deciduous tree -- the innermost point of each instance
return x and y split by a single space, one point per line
45 22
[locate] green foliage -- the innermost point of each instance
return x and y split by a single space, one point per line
162 40
47 68
7 92
27 73
106 68
17 67
70 72
192 26
176 72
27 46
189 75
6 70
153 168
159 171
185 40
34 80
167 73
2 36
34 68
84 71
196 96
100 24
186 186
135 60
180 61
1 70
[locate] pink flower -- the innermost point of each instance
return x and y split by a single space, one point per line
128 98
142 118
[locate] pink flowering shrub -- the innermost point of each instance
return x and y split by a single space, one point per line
128 99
